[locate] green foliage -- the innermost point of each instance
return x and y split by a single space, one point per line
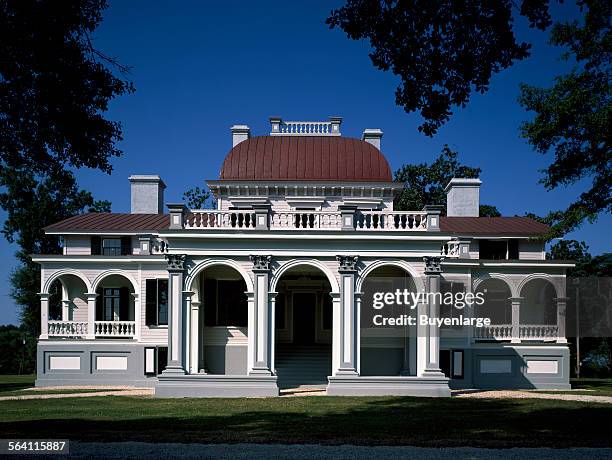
487 210
54 89
424 183
586 264
573 117
197 198
18 350
443 51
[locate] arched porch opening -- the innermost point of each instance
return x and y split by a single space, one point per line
387 348
67 307
221 340
115 311
538 305
497 303
303 332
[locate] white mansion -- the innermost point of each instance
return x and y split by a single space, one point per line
271 290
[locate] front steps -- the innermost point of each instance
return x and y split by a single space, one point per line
303 366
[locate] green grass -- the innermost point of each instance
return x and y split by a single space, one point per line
586 386
320 420
16 385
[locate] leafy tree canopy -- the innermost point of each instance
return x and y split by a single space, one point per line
574 116
54 89
424 183
441 50
197 198
586 264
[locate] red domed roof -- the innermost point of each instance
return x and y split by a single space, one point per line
315 158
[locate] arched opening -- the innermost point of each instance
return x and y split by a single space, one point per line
303 328
67 306
497 304
387 346
115 315
538 305
223 322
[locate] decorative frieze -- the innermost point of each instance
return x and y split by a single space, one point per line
432 264
347 263
176 262
261 262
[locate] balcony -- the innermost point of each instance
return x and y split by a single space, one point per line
102 329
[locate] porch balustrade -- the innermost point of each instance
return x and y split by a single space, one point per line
391 221
101 328
67 328
548 332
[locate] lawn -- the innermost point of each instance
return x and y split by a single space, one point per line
15 385
320 420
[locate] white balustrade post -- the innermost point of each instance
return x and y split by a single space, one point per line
561 312
176 267
91 315
347 327
44 315
260 328
516 320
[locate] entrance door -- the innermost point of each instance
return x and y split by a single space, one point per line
304 311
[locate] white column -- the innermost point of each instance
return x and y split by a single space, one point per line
44 315
194 367
433 272
561 312
175 314
260 319
336 331
516 323
91 314
65 310
272 300
348 318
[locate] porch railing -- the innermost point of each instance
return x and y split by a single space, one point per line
390 221
220 219
525 332
67 328
316 220
115 328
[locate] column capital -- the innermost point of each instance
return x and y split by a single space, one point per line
91 295
433 265
187 295
176 262
347 263
260 262
44 295
516 299
561 299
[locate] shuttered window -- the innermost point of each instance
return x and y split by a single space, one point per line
156 302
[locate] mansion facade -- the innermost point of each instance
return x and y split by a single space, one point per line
272 289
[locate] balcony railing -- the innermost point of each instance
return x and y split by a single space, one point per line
306 220
540 332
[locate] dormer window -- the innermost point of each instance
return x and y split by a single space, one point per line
499 249
111 246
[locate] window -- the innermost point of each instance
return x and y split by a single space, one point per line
157 302
450 310
111 246
451 363
113 304
225 303
499 249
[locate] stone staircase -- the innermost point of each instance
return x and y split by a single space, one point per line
303 366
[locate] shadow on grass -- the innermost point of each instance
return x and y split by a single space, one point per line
16 382
319 420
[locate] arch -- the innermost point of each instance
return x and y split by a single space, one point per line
395 263
539 276
514 292
108 273
201 266
335 288
55 276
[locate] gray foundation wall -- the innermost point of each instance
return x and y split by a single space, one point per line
228 360
515 367
89 363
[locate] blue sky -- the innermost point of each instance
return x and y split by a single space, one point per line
200 67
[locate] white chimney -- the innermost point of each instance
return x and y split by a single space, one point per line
372 136
240 133
463 197
147 194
